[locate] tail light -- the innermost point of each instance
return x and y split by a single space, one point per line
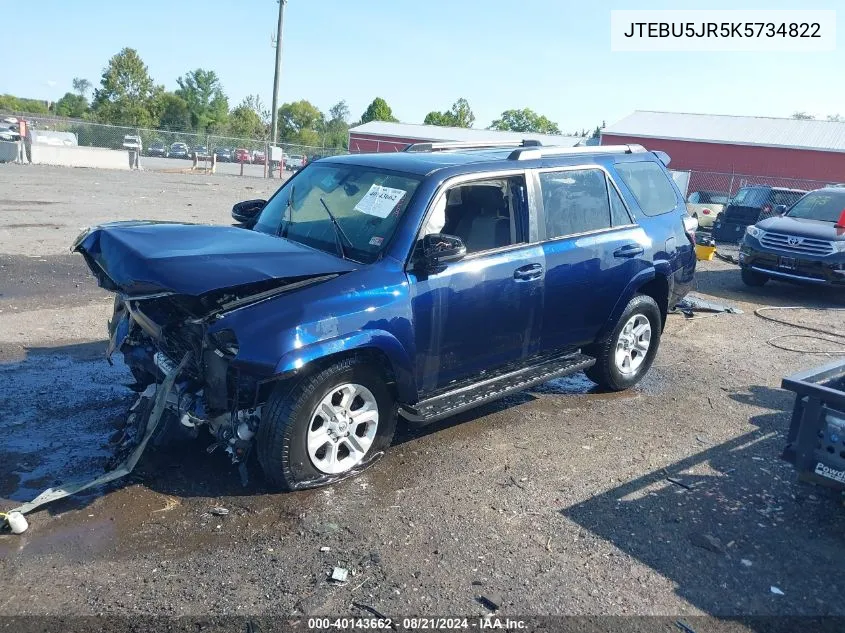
840 223
690 225
706 211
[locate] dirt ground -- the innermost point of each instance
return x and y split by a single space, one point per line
552 502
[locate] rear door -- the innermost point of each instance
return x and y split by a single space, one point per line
593 248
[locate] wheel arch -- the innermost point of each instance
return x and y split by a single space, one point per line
654 282
379 347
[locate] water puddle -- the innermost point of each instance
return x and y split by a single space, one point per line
56 416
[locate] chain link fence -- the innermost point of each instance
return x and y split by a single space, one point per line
159 143
709 193
725 184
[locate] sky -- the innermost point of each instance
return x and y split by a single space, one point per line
552 56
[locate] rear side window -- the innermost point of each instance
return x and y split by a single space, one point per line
649 185
575 201
750 197
786 197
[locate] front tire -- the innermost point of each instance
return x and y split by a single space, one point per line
626 355
329 426
753 278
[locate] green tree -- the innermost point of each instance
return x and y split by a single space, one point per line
126 95
71 105
300 122
246 121
81 87
207 103
436 118
173 112
378 110
803 116
336 133
459 115
525 120
339 111
254 102
11 103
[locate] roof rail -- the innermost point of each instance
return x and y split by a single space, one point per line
447 145
533 153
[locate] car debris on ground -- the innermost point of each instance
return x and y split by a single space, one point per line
340 574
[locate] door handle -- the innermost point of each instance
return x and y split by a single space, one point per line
629 250
529 272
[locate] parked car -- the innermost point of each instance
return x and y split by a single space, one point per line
242 156
223 155
367 285
705 206
179 150
294 162
749 206
132 142
10 131
258 157
199 152
158 149
805 244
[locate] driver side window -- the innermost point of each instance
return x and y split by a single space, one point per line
484 214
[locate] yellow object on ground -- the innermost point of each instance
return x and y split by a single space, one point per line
704 253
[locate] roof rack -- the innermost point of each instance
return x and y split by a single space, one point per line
447 145
534 153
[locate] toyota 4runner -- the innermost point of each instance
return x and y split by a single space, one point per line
410 285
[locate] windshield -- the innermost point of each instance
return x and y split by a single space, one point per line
826 206
366 201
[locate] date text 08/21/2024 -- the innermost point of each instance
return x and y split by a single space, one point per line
415 624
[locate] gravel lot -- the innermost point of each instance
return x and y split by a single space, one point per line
555 501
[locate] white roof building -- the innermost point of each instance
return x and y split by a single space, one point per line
395 136
733 130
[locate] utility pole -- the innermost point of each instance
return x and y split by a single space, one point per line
274 125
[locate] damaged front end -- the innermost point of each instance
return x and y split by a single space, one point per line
174 284
153 334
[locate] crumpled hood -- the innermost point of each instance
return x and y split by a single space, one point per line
192 259
803 227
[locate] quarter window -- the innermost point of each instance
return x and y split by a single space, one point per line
575 201
650 186
618 212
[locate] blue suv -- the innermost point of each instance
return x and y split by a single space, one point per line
377 287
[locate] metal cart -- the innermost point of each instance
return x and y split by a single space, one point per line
816 440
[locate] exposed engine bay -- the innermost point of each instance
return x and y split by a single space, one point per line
154 333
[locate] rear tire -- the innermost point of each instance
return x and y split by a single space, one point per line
327 427
753 278
624 357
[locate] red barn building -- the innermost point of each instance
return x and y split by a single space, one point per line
726 152
384 136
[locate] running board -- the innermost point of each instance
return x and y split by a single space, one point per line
479 393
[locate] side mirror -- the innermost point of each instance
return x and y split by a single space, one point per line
780 209
439 249
247 212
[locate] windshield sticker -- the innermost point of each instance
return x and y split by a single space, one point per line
380 201
376 241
